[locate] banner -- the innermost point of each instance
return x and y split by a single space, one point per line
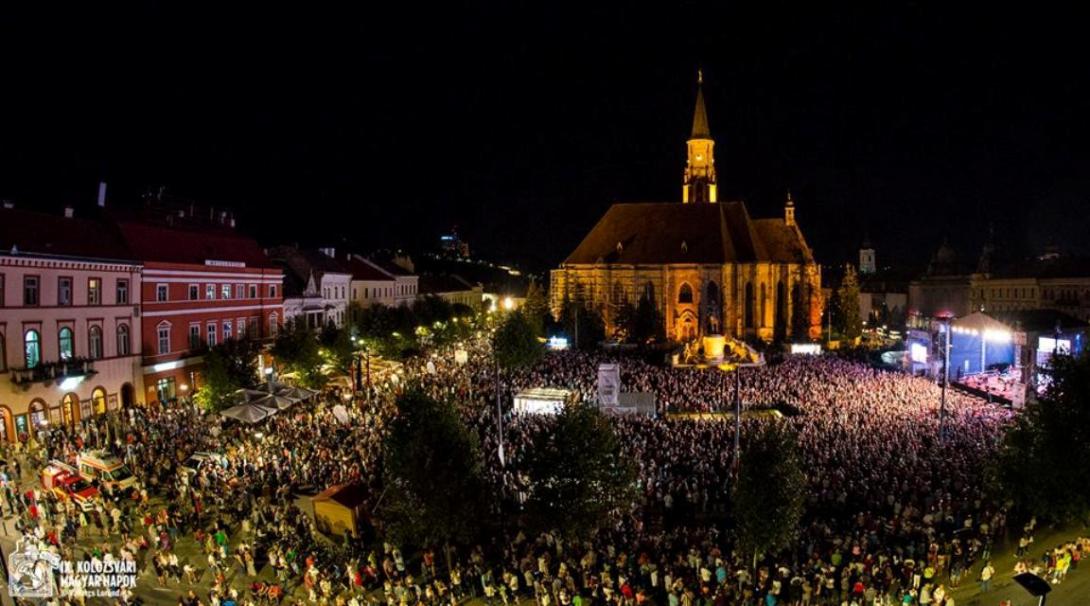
609 384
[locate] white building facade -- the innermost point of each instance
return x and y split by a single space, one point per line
70 333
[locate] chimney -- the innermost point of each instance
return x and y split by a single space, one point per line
8 204
329 252
69 212
102 194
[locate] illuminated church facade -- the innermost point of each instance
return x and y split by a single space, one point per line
707 265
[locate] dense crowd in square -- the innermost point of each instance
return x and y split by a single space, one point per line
894 514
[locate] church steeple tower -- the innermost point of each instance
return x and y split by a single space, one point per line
699 184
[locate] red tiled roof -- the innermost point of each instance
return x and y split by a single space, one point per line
191 245
364 270
661 233
46 234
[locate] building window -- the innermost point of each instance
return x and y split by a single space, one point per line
38 416
253 291
242 328
122 292
194 336
94 342
3 353
123 343
272 291
64 291
165 389
1 290
98 400
273 325
161 292
64 343
164 337
685 293
211 334
94 291
226 331
240 291
225 291
194 292
30 290
209 291
33 348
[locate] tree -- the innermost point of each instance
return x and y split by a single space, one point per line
580 476
296 349
768 495
229 366
1044 465
647 322
584 326
515 344
536 308
800 313
336 344
849 323
432 472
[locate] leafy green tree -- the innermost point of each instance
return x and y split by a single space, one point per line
646 324
515 344
581 478
584 326
229 366
768 495
800 313
536 308
297 350
337 344
849 322
1044 465
432 474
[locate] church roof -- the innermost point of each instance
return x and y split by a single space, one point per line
665 233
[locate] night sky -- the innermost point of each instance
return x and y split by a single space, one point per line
522 122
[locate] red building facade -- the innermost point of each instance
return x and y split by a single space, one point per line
202 285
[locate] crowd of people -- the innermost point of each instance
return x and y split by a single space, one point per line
895 514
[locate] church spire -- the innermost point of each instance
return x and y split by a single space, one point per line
699 183
700 114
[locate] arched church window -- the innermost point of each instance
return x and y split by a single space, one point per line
685 293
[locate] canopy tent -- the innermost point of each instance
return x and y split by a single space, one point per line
542 400
274 401
248 413
242 396
296 393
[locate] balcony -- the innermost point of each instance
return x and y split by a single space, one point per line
57 371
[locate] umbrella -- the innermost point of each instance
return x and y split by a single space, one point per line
295 393
247 413
274 401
